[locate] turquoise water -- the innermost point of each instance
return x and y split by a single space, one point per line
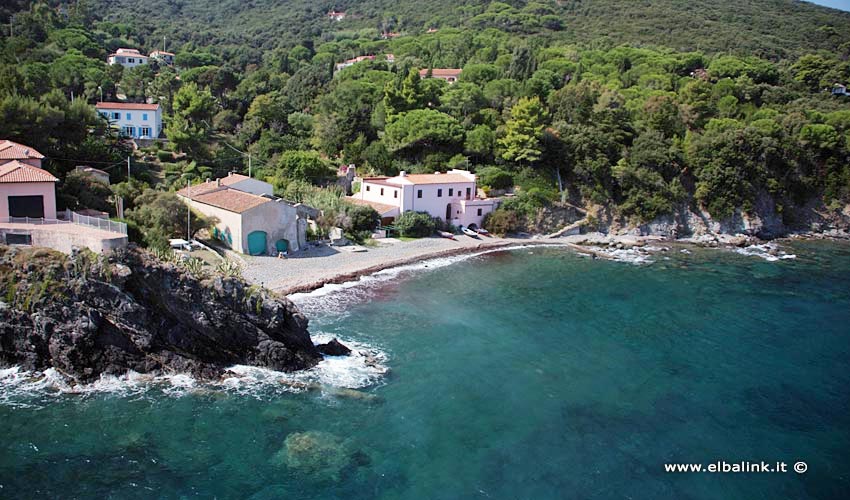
535 373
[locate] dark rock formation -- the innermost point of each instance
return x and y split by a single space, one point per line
88 315
333 348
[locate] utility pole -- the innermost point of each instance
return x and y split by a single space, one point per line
249 164
128 168
189 211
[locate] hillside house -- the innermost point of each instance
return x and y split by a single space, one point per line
129 58
250 219
12 151
95 173
163 57
136 120
451 196
334 15
839 89
448 74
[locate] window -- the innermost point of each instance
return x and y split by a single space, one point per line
129 116
419 194
130 60
382 191
439 193
368 188
395 193
479 212
145 118
128 131
116 116
146 132
451 191
468 193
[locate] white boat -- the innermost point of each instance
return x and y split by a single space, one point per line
469 232
446 234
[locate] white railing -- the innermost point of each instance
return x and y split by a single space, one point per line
81 220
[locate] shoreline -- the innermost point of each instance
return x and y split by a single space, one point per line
306 273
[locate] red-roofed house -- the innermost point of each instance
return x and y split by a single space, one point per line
451 196
447 74
10 151
136 120
250 219
26 191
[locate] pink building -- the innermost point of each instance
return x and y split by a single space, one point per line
451 196
25 189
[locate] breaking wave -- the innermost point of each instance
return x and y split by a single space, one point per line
767 251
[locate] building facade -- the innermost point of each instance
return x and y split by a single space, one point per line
26 190
248 218
136 120
451 196
129 58
163 57
447 74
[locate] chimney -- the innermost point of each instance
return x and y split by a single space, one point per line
403 173
218 183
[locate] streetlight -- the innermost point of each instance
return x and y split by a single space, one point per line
101 92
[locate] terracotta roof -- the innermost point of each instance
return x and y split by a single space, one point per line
381 208
436 178
13 151
15 171
127 105
438 72
224 197
233 179
157 52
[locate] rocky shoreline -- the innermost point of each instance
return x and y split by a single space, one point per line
88 315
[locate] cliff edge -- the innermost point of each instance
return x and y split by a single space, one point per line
87 315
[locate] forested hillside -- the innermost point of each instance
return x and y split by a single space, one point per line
725 107
244 29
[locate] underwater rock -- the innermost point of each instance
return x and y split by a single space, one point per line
320 455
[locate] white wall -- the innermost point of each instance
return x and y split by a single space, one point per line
137 120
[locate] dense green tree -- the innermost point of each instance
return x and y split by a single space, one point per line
523 131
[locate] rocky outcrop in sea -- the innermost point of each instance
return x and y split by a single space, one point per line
87 315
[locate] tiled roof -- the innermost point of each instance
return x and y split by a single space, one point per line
437 72
127 105
15 171
223 197
231 200
162 52
436 178
381 208
13 151
233 179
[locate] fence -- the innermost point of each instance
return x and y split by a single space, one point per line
75 218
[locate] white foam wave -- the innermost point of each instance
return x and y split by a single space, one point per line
767 251
365 367
636 256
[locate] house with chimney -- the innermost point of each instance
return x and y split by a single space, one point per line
451 196
248 217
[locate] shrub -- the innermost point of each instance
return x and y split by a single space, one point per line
501 222
495 178
363 218
166 156
415 224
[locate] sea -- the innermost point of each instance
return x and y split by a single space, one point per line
532 373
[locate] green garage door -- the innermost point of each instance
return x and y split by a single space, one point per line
282 245
257 243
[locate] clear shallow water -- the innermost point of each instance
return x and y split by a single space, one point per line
535 373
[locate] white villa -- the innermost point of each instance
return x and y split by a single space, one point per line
163 56
451 196
129 58
250 219
136 120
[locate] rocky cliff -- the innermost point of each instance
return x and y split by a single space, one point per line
87 315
